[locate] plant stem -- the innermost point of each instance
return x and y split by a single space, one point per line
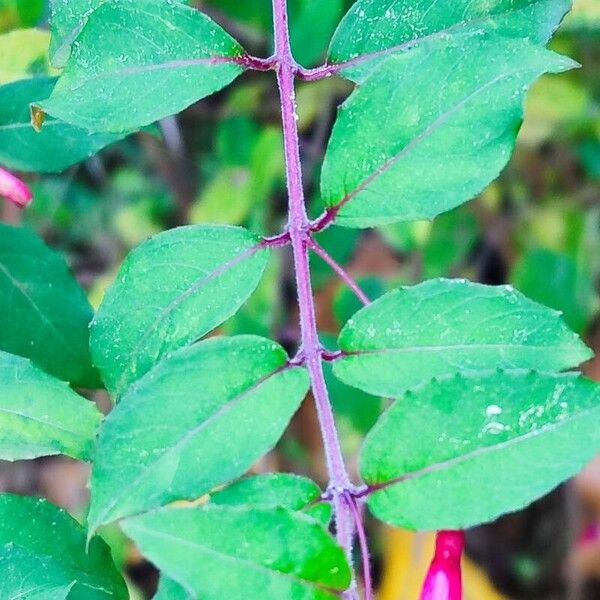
343 274
300 237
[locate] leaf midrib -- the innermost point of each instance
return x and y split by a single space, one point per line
18 285
481 451
225 408
196 287
427 132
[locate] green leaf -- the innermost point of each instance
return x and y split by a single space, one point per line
218 552
374 29
557 281
198 419
40 415
58 146
23 53
26 575
451 114
271 489
172 290
48 534
442 326
463 451
67 20
44 314
189 57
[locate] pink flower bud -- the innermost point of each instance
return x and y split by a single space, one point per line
14 190
444 579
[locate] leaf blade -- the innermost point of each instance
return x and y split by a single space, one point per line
50 533
479 447
44 314
210 270
468 125
42 416
57 146
372 30
160 444
286 555
115 59
445 326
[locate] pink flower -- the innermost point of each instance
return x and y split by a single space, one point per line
14 190
444 579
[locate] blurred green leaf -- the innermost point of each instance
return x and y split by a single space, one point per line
20 13
23 54
41 415
555 280
58 146
44 314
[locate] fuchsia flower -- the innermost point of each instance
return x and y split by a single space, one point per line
444 579
14 190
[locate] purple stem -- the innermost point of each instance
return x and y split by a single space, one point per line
343 274
364 546
300 238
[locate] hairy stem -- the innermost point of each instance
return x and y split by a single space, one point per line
300 238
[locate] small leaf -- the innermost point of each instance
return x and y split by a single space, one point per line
44 314
461 451
36 531
198 419
172 290
56 147
443 326
139 81
40 415
218 552
372 30
451 114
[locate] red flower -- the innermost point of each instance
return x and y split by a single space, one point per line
444 579
14 190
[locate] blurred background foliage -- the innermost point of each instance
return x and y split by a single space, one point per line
537 227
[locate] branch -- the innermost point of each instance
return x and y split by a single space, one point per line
344 275
299 232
